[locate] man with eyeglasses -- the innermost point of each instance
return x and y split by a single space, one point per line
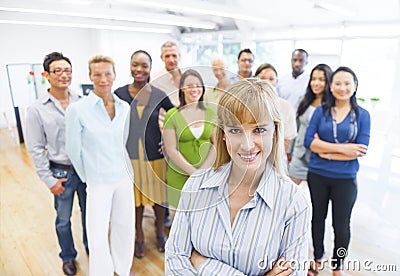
245 62
45 129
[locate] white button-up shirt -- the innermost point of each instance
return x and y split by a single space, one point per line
293 89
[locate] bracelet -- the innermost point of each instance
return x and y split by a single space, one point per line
329 156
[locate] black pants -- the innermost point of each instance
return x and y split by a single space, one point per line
343 194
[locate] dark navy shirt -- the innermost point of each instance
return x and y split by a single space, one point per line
146 127
322 125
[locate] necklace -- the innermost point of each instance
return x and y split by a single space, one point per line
352 128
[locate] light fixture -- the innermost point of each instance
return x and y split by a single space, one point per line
333 8
167 20
373 30
88 26
79 2
210 9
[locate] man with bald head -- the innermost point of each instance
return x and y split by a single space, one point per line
219 67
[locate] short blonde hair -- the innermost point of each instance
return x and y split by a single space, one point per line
99 59
249 101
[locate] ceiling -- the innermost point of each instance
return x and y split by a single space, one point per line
195 16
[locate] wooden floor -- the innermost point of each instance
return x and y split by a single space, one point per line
28 243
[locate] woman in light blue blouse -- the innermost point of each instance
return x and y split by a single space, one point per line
244 214
96 134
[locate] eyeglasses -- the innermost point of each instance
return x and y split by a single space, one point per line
60 71
246 59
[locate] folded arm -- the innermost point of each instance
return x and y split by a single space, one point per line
337 151
334 151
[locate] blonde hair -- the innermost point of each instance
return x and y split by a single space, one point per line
250 101
99 59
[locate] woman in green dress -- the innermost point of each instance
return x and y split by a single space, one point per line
187 134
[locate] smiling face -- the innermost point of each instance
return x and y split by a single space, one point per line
245 63
102 75
318 82
250 131
343 86
56 80
218 68
269 75
140 67
192 89
249 144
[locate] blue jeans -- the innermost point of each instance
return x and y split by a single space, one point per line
63 205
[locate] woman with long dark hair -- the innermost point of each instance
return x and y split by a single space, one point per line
338 135
316 93
187 134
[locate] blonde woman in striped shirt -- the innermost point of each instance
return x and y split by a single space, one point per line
244 214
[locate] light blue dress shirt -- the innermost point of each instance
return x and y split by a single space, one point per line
274 223
95 144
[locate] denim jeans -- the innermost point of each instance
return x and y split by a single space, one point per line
63 204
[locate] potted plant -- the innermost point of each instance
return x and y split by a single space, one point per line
374 101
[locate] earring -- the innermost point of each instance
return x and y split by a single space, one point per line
223 139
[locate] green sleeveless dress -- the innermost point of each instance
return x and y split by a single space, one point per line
193 150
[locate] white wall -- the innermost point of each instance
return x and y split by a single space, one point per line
29 44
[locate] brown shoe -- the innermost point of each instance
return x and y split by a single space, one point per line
69 267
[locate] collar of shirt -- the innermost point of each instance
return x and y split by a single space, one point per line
301 76
93 99
48 97
267 188
176 69
163 73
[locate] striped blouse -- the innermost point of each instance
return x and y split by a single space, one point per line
274 223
